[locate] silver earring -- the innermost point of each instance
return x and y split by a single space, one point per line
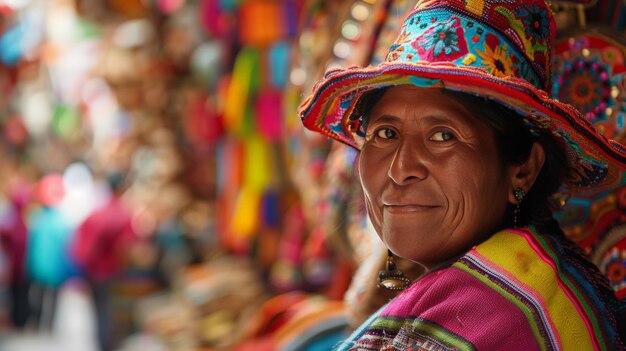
519 194
391 278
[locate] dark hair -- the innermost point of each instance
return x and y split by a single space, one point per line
514 141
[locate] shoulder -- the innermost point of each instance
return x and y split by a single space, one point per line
550 281
515 291
484 272
512 291
461 306
450 308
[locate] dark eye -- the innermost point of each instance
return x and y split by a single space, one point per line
386 133
442 136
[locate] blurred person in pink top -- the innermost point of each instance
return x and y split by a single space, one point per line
100 249
13 239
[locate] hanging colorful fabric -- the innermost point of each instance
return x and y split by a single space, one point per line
258 166
245 219
278 60
269 231
226 172
269 114
209 16
260 23
270 211
291 14
228 183
256 177
243 84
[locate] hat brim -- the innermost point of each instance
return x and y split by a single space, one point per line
597 162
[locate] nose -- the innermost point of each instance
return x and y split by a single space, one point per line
408 163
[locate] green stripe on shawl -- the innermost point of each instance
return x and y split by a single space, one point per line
424 327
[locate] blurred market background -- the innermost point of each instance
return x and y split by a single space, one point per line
157 191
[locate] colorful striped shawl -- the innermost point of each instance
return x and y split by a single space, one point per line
518 290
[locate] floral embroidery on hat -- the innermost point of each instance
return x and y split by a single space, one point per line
495 57
443 41
536 22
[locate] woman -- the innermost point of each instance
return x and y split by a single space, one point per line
461 150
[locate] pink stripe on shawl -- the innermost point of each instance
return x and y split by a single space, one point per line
467 307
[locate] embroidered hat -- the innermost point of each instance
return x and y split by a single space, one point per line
499 49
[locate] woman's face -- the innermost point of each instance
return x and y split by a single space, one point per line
433 181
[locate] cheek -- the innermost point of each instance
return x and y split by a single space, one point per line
479 194
468 185
372 169
368 178
372 172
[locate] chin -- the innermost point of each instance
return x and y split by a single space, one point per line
406 250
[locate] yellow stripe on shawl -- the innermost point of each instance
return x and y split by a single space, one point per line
528 267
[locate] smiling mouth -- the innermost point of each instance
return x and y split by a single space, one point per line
400 209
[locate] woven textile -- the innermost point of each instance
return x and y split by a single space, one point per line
518 290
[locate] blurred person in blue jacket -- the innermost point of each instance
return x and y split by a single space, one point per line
47 257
